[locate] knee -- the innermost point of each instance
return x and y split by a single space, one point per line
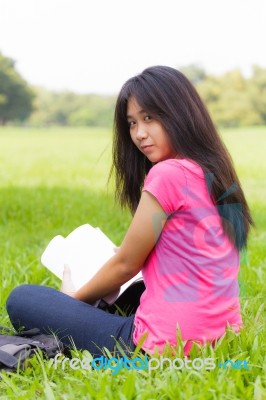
16 298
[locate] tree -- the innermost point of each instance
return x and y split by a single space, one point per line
16 97
67 108
257 91
194 72
95 111
228 99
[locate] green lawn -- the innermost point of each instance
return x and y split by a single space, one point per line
53 180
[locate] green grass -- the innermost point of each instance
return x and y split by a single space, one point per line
53 180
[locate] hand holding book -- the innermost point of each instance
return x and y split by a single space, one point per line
85 251
67 286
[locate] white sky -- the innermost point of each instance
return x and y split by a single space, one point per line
95 45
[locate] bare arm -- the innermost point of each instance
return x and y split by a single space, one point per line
139 240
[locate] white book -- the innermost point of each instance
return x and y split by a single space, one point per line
85 250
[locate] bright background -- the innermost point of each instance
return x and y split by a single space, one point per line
94 46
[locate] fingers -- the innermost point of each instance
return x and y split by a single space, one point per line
67 284
66 271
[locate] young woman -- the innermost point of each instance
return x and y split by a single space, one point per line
190 220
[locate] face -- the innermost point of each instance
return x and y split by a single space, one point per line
148 133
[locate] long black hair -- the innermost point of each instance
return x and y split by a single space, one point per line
171 98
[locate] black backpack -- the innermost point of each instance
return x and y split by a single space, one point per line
16 348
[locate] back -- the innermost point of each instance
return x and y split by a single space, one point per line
191 274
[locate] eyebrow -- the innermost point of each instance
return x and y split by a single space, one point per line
139 112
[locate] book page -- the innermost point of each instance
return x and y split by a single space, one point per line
85 250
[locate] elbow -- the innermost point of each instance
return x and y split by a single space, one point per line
128 269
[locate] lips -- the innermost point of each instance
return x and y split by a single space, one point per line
146 147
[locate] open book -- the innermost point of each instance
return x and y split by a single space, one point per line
85 250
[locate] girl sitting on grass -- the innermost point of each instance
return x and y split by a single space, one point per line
190 220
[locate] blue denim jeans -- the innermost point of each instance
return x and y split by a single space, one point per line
34 306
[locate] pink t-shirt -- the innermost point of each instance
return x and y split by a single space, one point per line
191 275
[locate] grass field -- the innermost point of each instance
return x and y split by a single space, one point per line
53 180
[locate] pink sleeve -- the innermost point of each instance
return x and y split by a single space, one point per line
166 181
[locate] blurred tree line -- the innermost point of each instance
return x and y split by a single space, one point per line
16 97
71 109
232 99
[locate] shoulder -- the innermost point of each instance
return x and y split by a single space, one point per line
164 172
165 167
167 181
175 168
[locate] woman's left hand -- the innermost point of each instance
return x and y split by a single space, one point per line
67 286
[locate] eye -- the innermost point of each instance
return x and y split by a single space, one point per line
130 123
147 118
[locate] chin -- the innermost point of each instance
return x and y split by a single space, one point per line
155 160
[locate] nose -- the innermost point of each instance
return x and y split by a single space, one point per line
141 132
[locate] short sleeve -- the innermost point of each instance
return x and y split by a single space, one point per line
166 181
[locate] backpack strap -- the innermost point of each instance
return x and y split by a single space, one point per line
30 332
7 359
7 354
